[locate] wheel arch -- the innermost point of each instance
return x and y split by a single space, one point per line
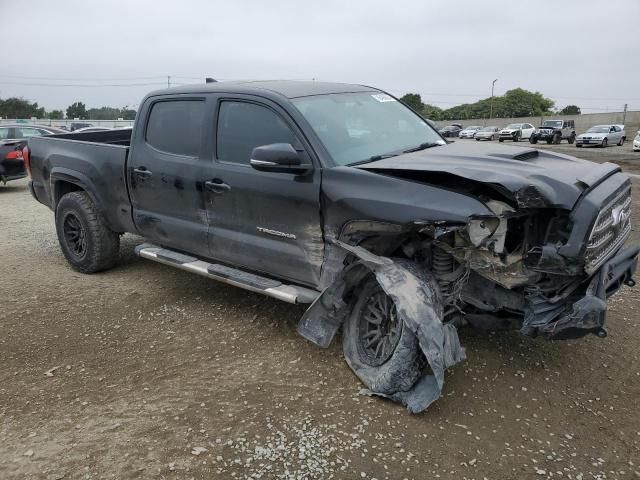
65 181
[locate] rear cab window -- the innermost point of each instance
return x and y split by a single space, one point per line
175 126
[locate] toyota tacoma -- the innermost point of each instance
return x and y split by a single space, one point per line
340 197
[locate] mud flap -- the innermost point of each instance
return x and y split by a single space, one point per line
418 303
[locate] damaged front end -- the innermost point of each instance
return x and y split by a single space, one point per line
521 263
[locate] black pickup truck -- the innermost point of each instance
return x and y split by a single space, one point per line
341 197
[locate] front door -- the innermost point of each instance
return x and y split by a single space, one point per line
263 221
165 170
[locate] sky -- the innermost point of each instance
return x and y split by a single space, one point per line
110 53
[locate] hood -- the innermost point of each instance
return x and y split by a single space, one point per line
531 178
592 135
508 130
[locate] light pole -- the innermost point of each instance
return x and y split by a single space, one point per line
491 107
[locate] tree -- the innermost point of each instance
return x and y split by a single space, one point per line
128 114
514 103
20 108
103 113
413 100
77 110
431 112
570 110
56 114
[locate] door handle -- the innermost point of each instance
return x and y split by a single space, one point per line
142 172
216 186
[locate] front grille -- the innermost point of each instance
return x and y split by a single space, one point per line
611 229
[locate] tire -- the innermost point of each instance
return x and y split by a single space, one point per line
572 138
85 239
400 367
557 138
533 140
605 143
501 140
621 142
477 139
517 137
549 141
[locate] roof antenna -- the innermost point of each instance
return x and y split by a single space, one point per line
210 80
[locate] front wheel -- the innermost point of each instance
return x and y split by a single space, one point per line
605 142
516 138
85 239
501 140
572 138
378 347
533 140
557 138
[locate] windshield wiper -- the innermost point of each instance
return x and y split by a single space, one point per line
423 146
375 158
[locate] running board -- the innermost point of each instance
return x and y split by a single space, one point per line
232 276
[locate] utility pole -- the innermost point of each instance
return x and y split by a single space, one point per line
491 108
624 115
168 81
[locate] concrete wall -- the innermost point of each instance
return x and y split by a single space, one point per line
583 122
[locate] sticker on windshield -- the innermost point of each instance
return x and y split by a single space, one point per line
383 97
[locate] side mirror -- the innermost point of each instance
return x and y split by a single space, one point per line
278 157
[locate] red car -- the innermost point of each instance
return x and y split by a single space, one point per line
12 140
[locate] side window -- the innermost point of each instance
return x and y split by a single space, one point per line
243 126
175 126
27 132
4 133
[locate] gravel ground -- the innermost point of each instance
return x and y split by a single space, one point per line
149 372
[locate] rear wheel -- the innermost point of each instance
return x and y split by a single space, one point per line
378 347
85 239
621 142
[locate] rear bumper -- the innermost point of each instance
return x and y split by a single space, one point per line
583 312
12 169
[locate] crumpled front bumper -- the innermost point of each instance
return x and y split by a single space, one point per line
564 320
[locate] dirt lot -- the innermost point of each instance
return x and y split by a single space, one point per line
149 372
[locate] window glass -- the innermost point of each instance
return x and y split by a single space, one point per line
27 132
4 133
356 126
175 126
243 126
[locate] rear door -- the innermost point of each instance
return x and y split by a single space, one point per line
527 130
165 170
263 221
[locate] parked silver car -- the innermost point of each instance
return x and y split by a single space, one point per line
636 143
469 132
602 136
487 133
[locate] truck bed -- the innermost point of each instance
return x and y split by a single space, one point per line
93 161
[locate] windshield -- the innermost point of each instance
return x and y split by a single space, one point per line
489 129
599 129
514 126
473 127
357 126
553 124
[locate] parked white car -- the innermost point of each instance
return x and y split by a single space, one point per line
636 143
516 132
469 132
602 136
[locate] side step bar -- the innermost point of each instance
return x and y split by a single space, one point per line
248 281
